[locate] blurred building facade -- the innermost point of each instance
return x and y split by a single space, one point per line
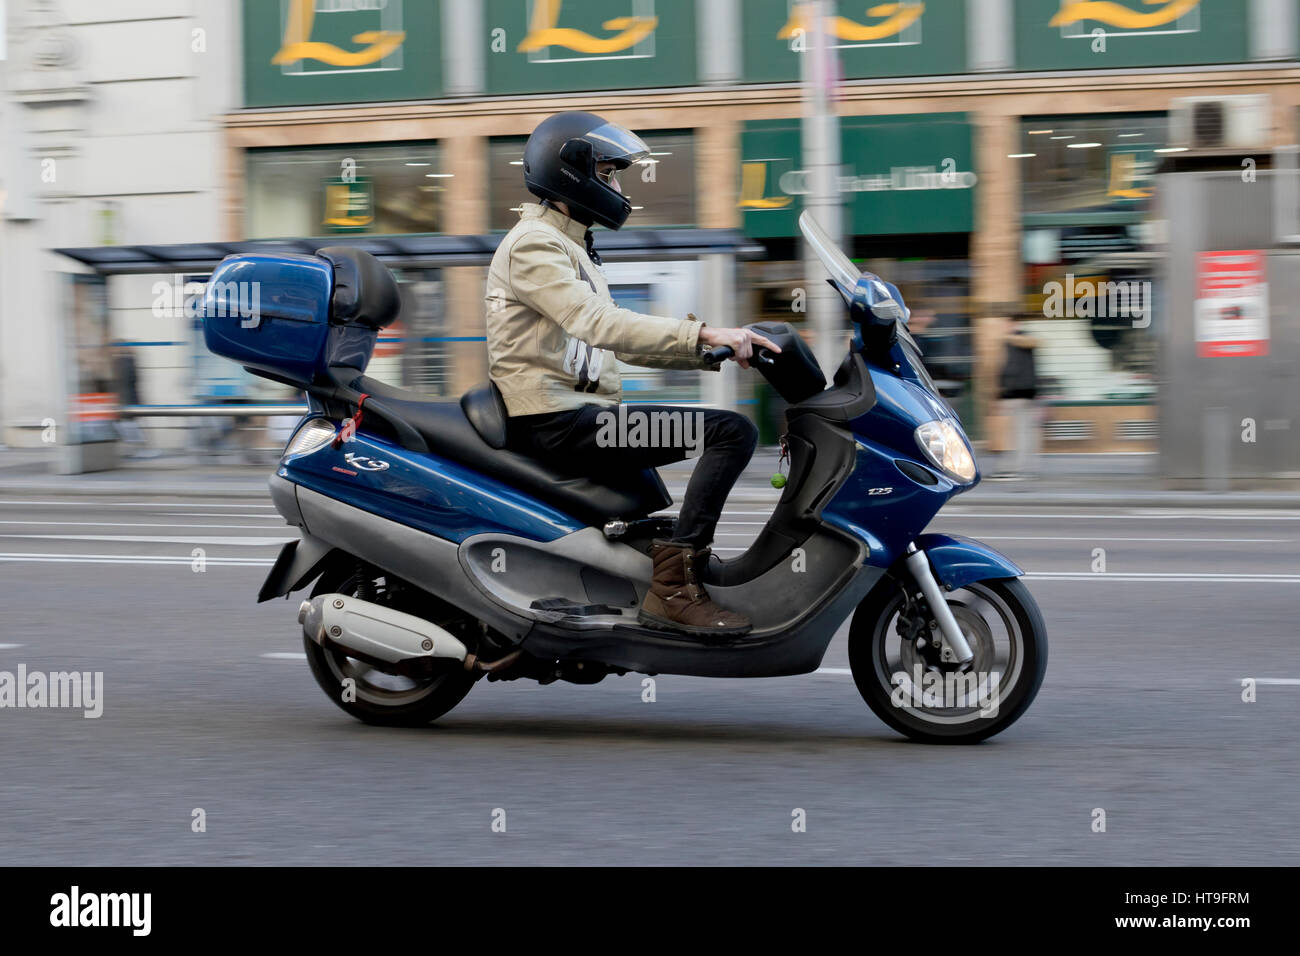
112 132
992 151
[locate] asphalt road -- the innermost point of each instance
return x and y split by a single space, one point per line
208 704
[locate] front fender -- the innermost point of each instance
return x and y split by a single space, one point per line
959 561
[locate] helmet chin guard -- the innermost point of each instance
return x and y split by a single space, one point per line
561 158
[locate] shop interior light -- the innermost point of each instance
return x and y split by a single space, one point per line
439 175
1082 145
419 164
1021 155
1063 137
1041 132
1171 149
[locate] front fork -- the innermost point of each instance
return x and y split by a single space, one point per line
919 566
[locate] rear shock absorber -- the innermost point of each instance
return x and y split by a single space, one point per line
365 582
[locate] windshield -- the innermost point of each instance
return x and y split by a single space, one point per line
839 265
913 353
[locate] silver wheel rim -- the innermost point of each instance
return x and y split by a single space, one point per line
372 685
996 636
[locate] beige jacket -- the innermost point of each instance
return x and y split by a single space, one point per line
553 332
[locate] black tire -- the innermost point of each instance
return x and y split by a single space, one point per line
381 699
893 701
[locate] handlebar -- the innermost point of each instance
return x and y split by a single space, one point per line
719 354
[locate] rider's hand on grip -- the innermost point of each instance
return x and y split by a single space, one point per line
738 344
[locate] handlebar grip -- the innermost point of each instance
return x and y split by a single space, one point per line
718 354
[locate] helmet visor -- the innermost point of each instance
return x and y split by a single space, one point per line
614 144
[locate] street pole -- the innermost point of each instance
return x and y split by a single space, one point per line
821 161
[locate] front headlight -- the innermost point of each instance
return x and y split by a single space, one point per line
943 445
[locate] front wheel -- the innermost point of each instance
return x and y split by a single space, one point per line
901 670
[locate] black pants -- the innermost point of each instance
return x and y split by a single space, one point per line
605 439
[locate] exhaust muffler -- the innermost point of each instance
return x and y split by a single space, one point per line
392 641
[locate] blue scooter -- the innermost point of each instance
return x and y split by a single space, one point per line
440 557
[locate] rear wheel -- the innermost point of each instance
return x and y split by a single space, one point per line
370 694
901 669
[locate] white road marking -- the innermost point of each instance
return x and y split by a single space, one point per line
1167 577
135 524
837 671
81 503
133 559
9 647
1107 537
216 514
159 539
285 656
1124 516
1285 681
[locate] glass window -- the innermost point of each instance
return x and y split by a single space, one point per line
1090 164
660 187
1089 274
320 191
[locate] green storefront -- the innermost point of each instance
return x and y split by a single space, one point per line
301 52
900 175
896 39
1116 34
548 46
908 184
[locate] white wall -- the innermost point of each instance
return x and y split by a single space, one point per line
132 118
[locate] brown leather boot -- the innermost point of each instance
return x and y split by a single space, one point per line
677 600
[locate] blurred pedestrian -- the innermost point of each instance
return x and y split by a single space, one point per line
126 385
1019 393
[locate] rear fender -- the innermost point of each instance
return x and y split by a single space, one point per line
298 563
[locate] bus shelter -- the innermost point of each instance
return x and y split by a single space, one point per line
427 350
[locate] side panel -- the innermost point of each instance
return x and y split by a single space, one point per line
423 491
427 561
884 506
959 561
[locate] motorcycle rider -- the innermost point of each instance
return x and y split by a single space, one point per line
554 333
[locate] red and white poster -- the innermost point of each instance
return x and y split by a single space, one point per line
1231 303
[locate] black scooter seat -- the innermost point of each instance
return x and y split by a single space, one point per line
446 428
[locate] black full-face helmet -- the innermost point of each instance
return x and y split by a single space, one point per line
560 161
